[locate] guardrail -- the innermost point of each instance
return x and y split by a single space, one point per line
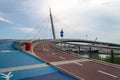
112 49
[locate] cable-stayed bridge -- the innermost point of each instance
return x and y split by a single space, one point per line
72 64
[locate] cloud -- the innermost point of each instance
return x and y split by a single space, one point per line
26 29
93 17
5 20
77 17
35 9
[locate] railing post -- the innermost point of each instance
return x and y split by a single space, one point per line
69 49
90 52
79 49
112 56
61 45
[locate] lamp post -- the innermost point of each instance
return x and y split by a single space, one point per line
61 33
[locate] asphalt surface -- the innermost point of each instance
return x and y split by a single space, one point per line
75 65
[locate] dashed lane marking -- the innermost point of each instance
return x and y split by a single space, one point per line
70 61
78 64
53 53
22 67
107 73
61 57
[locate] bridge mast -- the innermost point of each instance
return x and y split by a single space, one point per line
52 25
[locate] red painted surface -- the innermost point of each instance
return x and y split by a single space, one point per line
28 44
89 70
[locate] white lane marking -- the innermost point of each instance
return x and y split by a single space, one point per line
78 64
53 53
61 57
6 51
107 73
69 61
22 67
45 49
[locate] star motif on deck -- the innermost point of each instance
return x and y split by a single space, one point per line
6 76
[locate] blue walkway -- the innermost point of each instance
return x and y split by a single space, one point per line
7 46
15 58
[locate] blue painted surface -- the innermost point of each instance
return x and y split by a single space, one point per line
51 76
44 73
17 58
7 46
31 72
13 59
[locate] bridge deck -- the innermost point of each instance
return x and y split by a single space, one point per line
75 65
17 65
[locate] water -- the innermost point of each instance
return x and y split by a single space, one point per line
103 55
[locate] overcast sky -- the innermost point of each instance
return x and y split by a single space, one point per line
80 19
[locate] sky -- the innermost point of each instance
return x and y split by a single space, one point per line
80 19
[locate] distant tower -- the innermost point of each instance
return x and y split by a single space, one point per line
52 25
